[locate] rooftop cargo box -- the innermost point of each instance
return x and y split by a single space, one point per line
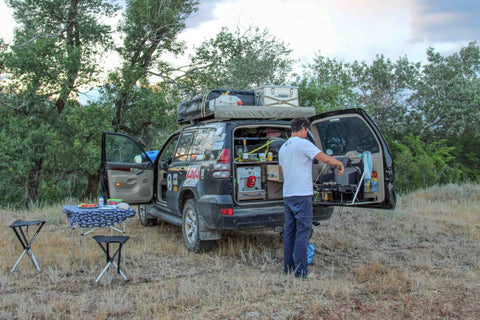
241 105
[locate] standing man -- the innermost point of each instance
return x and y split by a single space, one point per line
295 159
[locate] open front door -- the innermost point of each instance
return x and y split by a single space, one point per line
126 170
354 139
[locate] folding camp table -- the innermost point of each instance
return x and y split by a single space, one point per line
94 218
18 227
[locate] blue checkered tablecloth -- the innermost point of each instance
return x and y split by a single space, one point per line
96 217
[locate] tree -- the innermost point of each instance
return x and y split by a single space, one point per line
447 105
238 60
56 44
150 28
419 165
327 84
448 95
54 52
384 89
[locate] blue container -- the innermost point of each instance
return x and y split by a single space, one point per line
152 155
310 253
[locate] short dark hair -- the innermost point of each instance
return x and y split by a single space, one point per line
298 123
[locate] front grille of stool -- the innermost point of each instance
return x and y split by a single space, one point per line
110 240
18 227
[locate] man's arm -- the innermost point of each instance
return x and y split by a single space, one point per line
322 156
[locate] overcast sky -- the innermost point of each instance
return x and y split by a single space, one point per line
347 30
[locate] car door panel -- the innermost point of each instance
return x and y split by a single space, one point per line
132 183
127 172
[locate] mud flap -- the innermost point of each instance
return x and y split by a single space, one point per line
205 233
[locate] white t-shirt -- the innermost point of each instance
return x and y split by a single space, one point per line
295 157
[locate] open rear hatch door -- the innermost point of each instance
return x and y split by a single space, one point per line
352 137
126 170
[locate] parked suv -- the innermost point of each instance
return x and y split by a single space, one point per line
224 175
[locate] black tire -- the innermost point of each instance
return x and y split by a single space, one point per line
145 219
190 229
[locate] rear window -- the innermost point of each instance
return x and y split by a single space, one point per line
342 135
201 144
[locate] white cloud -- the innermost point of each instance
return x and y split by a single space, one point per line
344 29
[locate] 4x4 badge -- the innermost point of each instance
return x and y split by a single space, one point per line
193 175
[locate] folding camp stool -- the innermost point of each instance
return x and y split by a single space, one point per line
17 227
108 240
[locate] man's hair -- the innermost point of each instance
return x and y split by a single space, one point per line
298 123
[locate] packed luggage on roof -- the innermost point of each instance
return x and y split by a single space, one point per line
265 102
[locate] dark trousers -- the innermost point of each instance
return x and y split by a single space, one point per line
298 226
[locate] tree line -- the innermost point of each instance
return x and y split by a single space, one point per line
50 143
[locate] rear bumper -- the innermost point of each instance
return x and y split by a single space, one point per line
250 218
253 216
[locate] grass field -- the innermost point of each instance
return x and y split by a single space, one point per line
420 261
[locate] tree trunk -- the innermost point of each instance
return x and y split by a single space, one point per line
92 189
74 57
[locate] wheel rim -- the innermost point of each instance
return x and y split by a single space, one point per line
191 225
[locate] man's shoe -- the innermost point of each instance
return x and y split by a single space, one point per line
309 276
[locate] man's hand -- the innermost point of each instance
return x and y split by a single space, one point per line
340 169
330 161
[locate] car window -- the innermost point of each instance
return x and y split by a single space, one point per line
342 135
120 149
183 146
207 144
169 149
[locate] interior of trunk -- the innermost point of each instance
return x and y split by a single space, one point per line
256 167
258 178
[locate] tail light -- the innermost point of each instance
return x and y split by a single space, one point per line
226 211
221 169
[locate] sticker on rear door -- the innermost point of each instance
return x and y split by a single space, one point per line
193 175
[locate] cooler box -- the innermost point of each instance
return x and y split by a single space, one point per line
276 96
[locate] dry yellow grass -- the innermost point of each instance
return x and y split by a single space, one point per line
420 261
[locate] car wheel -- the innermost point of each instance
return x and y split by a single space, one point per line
145 218
190 228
